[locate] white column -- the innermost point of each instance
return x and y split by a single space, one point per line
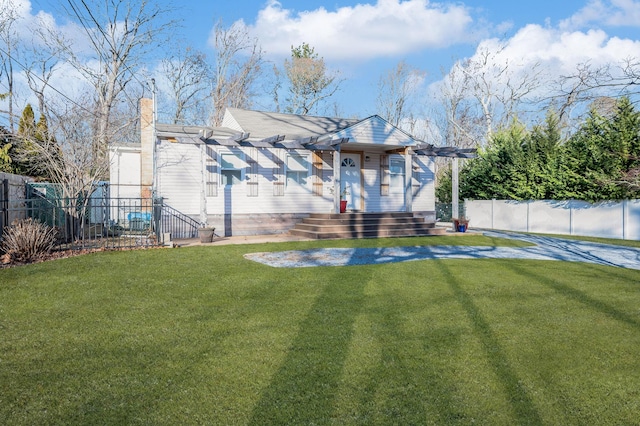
408 176
455 211
336 180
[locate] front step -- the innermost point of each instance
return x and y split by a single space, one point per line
364 225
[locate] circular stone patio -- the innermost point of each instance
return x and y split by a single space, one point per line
545 248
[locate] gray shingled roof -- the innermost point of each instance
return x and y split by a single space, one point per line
266 124
176 130
262 125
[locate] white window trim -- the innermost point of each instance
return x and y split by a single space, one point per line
308 159
243 169
395 189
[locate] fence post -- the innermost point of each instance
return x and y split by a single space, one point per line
157 218
625 215
570 217
4 205
493 201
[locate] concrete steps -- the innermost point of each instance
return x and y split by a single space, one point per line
364 225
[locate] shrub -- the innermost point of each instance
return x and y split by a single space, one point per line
27 240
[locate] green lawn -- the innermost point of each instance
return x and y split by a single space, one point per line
201 335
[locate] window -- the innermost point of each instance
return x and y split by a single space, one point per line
348 162
211 172
297 169
231 168
396 175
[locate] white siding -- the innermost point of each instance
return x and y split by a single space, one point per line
124 172
236 199
374 202
375 131
180 168
424 196
180 176
371 183
230 122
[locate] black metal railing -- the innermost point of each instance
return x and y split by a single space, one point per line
178 224
103 222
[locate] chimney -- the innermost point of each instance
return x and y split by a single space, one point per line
147 142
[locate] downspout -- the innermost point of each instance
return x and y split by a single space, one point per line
154 161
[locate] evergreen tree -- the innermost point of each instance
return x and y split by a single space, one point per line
600 162
27 125
33 138
6 160
310 82
543 154
444 186
500 171
42 130
602 153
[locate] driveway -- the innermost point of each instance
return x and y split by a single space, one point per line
545 248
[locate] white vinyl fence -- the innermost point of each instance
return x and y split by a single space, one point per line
619 219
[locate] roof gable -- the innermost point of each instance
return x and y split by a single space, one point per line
376 131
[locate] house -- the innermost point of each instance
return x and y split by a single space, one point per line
263 172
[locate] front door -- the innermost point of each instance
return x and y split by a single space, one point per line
350 178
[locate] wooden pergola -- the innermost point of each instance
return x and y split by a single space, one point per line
216 137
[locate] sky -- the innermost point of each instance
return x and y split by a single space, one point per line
361 39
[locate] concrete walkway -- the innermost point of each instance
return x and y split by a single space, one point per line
545 248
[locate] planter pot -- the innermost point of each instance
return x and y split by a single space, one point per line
460 225
206 234
343 206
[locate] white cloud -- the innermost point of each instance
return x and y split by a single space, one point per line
364 31
615 13
536 44
547 54
21 8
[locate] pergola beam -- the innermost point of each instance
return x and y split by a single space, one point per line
448 151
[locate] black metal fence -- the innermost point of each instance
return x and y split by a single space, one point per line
100 221
444 211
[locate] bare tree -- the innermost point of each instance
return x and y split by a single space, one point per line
238 62
274 87
120 33
188 77
498 86
63 152
456 116
45 57
67 155
589 82
396 91
310 82
9 40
